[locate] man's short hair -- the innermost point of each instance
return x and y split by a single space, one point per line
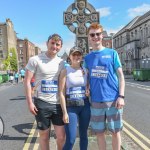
94 26
55 37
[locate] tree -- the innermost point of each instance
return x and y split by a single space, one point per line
10 63
13 59
6 63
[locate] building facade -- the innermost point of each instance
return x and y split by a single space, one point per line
7 39
26 49
107 40
133 43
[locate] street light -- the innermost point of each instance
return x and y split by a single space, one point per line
112 34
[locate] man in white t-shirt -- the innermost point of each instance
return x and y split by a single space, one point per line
46 68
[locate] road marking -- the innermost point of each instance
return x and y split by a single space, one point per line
28 141
36 145
137 132
135 139
138 86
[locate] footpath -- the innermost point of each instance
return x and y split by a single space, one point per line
127 143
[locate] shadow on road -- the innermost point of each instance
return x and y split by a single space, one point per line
18 98
21 128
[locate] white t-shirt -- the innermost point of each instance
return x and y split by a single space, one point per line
46 72
76 83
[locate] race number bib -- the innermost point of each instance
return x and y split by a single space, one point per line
99 72
49 86
77 93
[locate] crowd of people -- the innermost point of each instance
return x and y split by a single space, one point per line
16 76
87 91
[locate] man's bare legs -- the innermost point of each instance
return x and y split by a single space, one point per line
101 141
60 136
44 139
116 141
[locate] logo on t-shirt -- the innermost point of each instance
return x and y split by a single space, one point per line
106 56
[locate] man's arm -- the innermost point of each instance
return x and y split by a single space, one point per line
28 91
120 101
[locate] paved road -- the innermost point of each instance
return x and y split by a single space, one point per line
19 122
14 111
137 109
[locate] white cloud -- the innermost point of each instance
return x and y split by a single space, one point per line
104 11
138 11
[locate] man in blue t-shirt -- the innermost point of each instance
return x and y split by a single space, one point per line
107 87
22 72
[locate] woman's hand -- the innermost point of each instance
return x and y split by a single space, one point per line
65 118
87 92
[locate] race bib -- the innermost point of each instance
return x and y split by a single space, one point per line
77 93
99 72
49 86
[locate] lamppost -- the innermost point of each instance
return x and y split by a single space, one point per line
112 34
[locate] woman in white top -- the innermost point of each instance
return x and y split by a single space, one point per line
73 92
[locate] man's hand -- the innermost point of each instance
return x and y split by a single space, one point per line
33 109
120 103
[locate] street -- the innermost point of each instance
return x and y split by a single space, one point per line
19 122
17 119
137 110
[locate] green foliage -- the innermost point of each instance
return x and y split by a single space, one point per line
6 63
10 63
13 59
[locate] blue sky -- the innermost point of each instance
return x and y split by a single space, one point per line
37 19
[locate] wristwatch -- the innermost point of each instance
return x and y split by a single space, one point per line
121 96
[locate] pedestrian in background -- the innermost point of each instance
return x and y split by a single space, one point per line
107 87
46 107
16 75
73 90
22 73
11 76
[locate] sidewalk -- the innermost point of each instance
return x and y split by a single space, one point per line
127 143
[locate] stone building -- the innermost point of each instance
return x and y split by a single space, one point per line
133 43
7 39
107 40
26 49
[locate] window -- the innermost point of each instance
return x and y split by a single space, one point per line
21 59
131 34
0 42
136 33
20 45
21 53
0 31
107 44
1 54
146 31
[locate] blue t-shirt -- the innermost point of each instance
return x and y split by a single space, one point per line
22 72
102 66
